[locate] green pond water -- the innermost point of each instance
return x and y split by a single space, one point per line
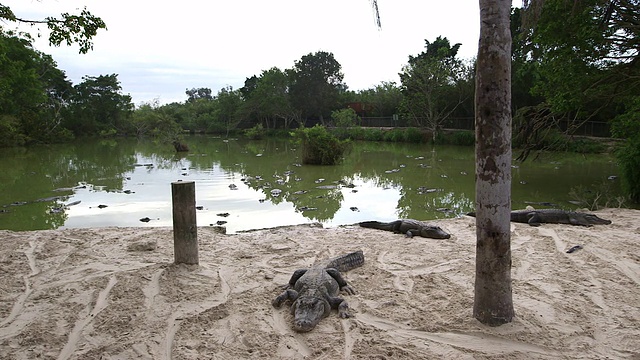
262 184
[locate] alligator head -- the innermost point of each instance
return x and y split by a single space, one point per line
593 219
308 311
434 232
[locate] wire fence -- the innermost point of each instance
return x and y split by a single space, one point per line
589 128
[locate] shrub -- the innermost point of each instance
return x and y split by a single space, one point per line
413 135
373 135
320 147
345 117
597 196
467 138
586 146
629 160
255 133
394 135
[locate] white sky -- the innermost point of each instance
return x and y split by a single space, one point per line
159 49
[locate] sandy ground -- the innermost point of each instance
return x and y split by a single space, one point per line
113 293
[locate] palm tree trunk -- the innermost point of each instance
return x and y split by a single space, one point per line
493 303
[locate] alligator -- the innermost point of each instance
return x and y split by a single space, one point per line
408 227
313 292
554 216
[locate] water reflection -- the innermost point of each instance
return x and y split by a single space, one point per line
260 183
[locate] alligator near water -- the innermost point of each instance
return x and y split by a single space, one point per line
313 292
554 216
409 227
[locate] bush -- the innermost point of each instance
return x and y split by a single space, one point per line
10 134
413 135
345 118
373 135
629 160
586 146
394 135
320 147
255 133
597 196
466 138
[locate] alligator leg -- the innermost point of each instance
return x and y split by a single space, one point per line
288 294
534 219
296 275
412 232
335 274
341 305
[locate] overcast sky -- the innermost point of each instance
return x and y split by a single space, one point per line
159 49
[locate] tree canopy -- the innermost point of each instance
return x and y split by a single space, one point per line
434 84
316 84
64 29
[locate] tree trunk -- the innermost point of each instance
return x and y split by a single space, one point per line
493 303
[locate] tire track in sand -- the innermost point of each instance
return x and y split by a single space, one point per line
74 336
474 341
190 309
18 305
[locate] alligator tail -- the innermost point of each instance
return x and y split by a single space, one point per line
347 261
378 225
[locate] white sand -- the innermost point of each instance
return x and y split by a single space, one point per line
90 294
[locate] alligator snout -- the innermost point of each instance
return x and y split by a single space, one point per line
435 232
303 325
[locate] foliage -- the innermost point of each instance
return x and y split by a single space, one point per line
394 135
229 102
98 105
628 154
434 84
413 135
463 138
382 100
67 28
316 83
629 160
345 118
267 99
320 147
195 94
33 92
597 196
579 60
10 134
150 120
374 134
255 133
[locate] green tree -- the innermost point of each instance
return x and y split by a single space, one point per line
585 60
316 84
384 99
431 84
493 302
320 147
67 28
98 107
267 98
195 94
345 118
33 92
229 102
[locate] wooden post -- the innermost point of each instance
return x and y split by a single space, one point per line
185 230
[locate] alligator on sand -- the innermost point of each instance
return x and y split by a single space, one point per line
554 216
409 227
314 292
